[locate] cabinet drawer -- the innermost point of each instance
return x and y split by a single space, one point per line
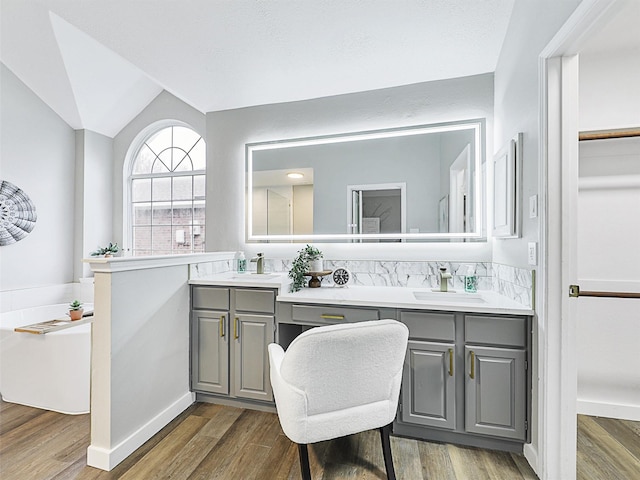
432 326
209 298
511 331
248 300
319 314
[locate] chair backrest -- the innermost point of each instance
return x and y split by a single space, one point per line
342 366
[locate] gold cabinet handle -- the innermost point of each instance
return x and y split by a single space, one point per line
222 325
451 362
235 328
473 365
332 317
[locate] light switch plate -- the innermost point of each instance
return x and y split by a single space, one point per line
533 206
532 253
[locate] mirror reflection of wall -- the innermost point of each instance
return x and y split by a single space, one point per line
282 202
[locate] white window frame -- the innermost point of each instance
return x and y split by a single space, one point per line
128 176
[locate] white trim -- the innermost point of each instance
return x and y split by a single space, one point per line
556 412
122 264
609 410
613 182
107 459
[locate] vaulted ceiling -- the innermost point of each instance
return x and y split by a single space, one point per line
98 63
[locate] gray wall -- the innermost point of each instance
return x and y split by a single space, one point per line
163 108
37 155
94 198
228 132
517 89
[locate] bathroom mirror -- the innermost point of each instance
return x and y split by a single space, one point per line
419 183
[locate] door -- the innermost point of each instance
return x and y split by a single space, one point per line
251 336
428 385
495 386
210 352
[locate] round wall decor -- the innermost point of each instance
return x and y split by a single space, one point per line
17 214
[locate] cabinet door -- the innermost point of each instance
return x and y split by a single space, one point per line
428 384
251 336
210 351
495 387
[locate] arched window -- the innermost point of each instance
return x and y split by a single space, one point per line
166 193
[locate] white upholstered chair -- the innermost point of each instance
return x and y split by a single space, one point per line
339 380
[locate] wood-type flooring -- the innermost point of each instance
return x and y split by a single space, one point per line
217 442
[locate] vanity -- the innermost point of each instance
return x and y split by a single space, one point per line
466 378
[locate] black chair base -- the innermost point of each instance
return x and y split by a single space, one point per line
386 453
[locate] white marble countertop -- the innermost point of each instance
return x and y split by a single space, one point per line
391 297
279 280
406 297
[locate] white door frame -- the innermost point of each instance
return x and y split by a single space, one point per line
554 452
402 186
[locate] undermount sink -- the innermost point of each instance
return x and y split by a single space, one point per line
450 296
254 276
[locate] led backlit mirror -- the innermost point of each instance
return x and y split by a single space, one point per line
420 183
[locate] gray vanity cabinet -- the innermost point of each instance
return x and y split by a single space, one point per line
210 351
495 392
465 379
230 331
428 383
210 339
496 376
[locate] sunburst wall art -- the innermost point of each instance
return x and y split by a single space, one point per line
17 214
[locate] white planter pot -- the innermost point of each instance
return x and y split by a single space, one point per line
316 265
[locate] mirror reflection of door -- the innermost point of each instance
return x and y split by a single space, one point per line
459 185
278 214
377 209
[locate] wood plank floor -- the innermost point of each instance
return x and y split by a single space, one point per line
215 442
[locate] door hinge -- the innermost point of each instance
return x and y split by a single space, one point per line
574 291
526 365
526 426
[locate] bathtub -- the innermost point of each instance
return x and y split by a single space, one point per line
49 371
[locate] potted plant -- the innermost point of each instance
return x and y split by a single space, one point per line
302 265
75 310
107 251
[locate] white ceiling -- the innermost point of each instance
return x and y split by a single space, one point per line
98 63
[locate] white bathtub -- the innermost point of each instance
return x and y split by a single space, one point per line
49 371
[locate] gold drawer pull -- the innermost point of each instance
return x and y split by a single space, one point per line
451 362
222 325
332 317
472 375
235 328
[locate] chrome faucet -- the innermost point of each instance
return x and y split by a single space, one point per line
260 263
444 279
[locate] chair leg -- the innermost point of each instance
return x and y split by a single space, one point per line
304 461
386 451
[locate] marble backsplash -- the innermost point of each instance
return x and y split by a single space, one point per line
511 282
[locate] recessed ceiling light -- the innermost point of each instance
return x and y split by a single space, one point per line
295 175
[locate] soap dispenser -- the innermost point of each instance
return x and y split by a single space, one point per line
241 262
470 281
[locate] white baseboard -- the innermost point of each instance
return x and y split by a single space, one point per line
107 459
609 410
531 454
